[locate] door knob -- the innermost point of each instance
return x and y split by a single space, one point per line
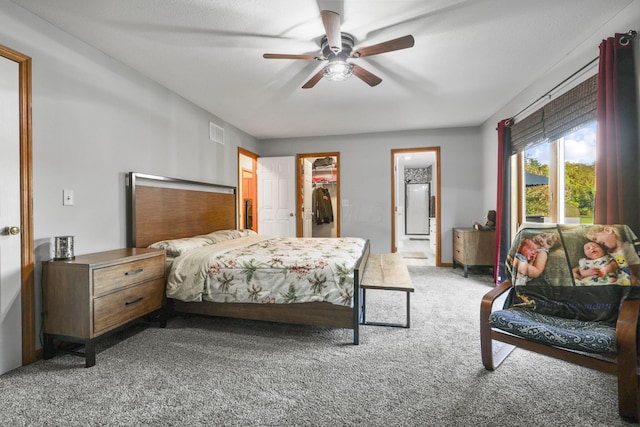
13 230
291 214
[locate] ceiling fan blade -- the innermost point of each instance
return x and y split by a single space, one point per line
287 56
366 76
388 46
313 80
331 22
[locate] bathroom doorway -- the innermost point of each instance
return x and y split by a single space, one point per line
415 197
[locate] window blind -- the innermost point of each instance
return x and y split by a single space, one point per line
527 132
565 114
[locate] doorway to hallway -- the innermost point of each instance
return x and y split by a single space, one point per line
247 189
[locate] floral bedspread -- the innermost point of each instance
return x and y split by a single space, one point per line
256 269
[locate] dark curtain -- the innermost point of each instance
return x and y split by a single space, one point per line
503 210
617 187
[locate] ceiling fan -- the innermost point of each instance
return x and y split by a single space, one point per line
336 47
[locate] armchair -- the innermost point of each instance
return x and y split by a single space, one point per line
564 301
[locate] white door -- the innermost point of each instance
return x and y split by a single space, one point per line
276 196
10 271
307 198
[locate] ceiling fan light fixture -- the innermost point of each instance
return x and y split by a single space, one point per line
338 71
336 47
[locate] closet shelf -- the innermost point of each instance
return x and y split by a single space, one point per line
325 180
324 168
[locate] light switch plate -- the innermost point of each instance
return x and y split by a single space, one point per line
67 197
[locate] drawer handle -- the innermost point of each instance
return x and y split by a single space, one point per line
134 301
131 273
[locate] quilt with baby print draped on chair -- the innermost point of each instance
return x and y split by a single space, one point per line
577 272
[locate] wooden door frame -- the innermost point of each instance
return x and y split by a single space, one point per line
300 187
27 255
436 151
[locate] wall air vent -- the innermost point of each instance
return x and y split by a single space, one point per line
216 133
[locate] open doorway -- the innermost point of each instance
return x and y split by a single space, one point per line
415 194
318 195
247 190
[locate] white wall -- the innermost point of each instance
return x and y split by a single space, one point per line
94 120
628 19
365 178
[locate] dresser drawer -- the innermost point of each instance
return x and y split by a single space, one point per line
458 245
458 253
108 279
458 240
120 307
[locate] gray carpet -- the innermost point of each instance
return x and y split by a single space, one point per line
417 254
223 372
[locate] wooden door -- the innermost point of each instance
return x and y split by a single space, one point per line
11 347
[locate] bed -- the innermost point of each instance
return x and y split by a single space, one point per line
199 219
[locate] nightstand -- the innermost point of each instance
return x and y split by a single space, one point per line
473 248
93 294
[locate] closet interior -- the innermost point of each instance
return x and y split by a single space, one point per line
319 195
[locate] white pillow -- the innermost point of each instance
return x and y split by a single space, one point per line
222 235
176 247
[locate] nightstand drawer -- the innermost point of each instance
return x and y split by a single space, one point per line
108 279
120 307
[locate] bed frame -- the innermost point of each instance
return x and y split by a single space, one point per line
160 208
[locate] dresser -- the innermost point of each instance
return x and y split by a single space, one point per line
93 294
473 248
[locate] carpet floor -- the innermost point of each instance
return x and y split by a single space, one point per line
225 372
418 255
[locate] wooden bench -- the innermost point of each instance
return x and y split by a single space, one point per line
386 272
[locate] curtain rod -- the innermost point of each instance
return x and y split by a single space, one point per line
624 40
555 87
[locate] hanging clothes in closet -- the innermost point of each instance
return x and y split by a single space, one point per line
322 207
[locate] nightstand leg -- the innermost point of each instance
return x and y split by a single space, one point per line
49 350
165 313
90 354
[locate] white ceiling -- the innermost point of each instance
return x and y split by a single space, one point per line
471 57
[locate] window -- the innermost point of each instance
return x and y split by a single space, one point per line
564 167
556 154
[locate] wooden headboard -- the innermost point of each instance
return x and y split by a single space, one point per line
160 208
